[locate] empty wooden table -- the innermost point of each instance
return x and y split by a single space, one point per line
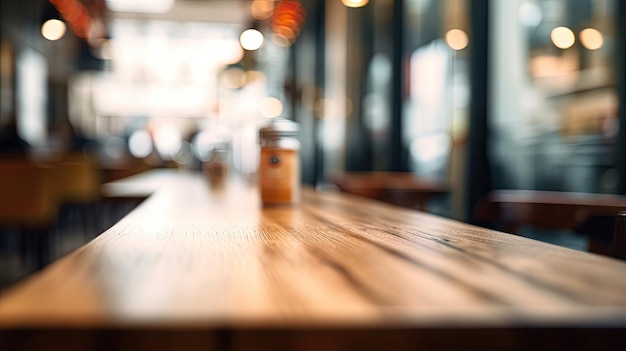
556 210
399 188
195 267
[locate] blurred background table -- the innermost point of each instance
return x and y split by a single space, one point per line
399 188
202 267
592 215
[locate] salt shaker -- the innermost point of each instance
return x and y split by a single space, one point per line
279 166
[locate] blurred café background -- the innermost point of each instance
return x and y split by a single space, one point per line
464 96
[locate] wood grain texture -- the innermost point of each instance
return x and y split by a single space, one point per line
192 256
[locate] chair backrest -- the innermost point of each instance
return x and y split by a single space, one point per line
76 179
26 194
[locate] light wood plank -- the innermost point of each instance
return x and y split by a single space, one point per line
196 256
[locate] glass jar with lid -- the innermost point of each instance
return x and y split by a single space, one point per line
279 164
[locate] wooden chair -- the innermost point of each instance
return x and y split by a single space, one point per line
76 179
77 183
399 188
28 202
592 215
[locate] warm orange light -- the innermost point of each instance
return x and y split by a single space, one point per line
355 3
281 40
591 38
261 9
457 39
285 32
562 37
76 15
287 21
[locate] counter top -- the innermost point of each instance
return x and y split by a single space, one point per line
193 257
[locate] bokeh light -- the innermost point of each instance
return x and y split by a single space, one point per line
141 6
114 147
457 39
431 149
53 29
203 144
562 37
261 9
591 38
287 22
140 144
355 3
234 78
168 141
251 39
529 14
270 107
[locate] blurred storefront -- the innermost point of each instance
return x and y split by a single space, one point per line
554 105
480 95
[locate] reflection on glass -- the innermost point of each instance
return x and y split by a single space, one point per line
32 92
553 101
431 110
431 150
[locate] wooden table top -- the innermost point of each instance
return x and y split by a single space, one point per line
598 202
399 188
404 181
547 209
192 256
